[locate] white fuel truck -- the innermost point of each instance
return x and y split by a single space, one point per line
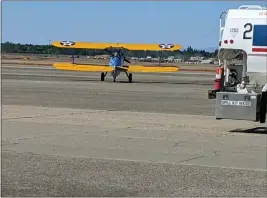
243 61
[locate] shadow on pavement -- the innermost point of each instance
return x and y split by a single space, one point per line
257 130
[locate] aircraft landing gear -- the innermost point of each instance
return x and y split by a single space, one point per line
103 75
130 77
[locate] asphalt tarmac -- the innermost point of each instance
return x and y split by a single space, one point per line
69 134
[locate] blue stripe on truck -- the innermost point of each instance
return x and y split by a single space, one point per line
260 35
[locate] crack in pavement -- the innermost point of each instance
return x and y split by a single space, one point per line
53 115
190 159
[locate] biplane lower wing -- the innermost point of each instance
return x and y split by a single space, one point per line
83 67
152 69
92 45
106 68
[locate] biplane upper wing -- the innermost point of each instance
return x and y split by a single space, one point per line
106 68
92 45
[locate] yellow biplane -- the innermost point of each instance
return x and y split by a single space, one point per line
116 63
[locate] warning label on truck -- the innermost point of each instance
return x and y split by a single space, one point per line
236 103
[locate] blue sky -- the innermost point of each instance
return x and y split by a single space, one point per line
181 22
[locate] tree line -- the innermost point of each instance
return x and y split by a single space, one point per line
9 47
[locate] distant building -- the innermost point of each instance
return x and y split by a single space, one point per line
178 60
209 61
170 59
196 58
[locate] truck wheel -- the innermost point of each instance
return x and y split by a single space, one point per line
263 105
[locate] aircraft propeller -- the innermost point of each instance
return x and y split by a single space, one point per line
119 51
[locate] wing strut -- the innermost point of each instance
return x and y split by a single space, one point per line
73 62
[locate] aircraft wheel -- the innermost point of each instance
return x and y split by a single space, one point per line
130 78
114 79
102 76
